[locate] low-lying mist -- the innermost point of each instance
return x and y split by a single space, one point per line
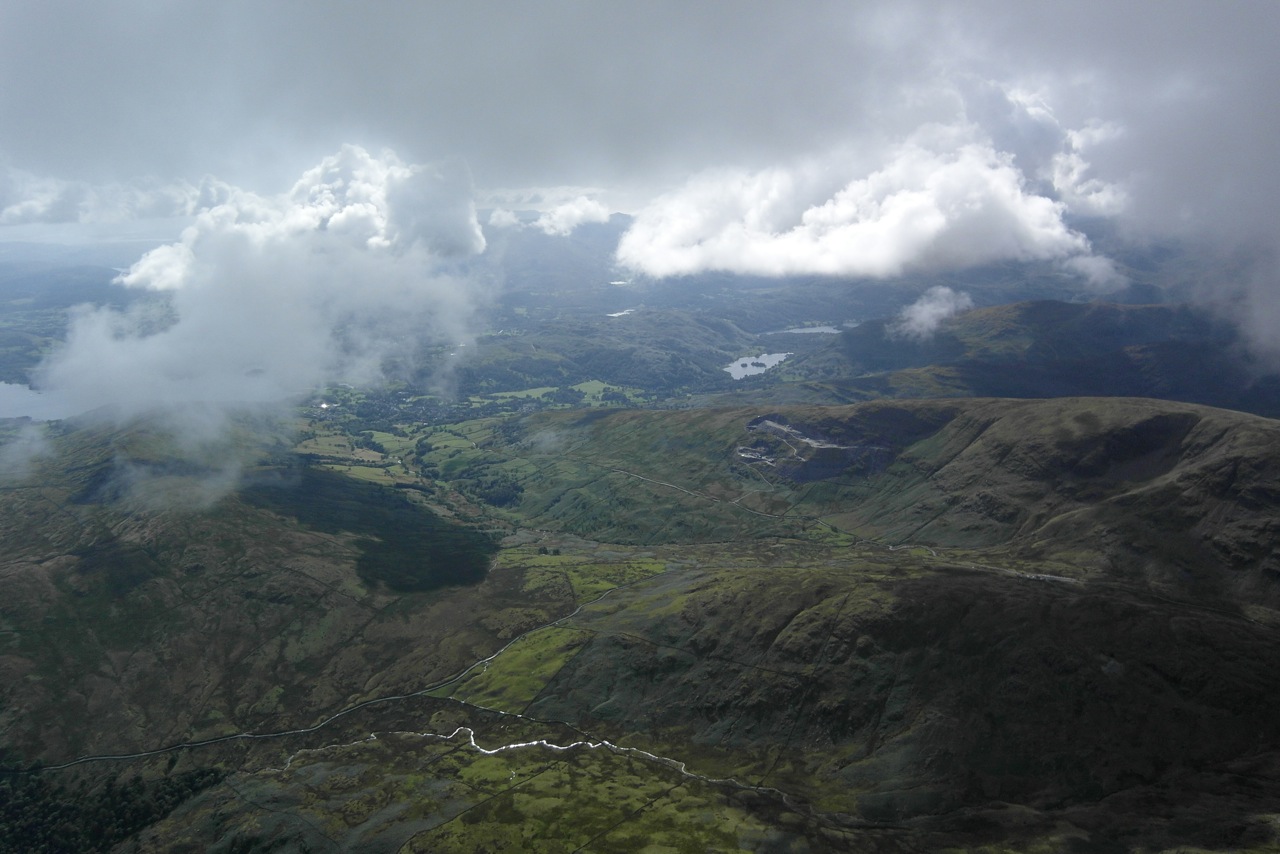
269 297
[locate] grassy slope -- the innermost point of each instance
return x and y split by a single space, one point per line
903 704
901 699
893 690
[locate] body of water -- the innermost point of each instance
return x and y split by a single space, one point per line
807 330
750 365
19 401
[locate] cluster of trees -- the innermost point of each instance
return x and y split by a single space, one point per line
404 547
38 813
364 439
489 484
565 394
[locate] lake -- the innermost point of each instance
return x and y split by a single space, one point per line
18 401
807 330
750 365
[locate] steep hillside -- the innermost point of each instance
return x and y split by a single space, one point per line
934 699
161 621
972 624
1174 494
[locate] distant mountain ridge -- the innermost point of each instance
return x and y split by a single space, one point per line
1048 348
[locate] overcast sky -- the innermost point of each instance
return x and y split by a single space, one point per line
852 139
637 96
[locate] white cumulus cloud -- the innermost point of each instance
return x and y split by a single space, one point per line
19 454
503 218
946 197
565 217
559 210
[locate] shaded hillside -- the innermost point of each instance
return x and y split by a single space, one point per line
163 619
1033 332
401 545
943 696
1055 349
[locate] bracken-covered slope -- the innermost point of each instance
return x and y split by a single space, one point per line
934 698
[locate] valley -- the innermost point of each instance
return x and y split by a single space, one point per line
579 588
639 428
804 648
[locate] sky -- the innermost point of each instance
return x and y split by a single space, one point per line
325 165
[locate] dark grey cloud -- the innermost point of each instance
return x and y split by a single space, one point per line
602 94
525 92
1159 114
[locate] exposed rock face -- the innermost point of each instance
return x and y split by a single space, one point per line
803 454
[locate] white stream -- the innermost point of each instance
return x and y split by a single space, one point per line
364 704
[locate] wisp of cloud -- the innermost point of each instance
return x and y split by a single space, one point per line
920 320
